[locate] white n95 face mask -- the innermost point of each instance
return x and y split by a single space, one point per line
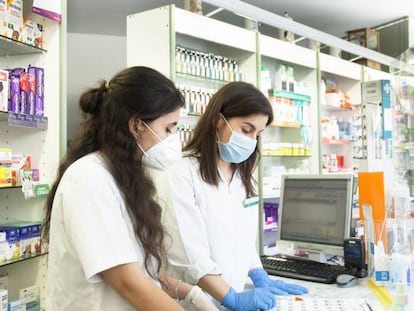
162 154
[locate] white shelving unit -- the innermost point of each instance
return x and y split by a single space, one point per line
348 77
295 134
39 137
172 28
153 37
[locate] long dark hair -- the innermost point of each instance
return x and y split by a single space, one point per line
137 93
235 99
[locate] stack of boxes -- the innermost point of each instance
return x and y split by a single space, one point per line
22 90
14 26
19 239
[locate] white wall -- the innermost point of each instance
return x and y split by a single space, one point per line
91 58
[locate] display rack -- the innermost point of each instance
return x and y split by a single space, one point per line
338 110
37 136
166 29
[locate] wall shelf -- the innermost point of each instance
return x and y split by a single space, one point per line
24 120
20 259
12 47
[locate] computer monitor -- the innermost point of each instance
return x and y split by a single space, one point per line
315 212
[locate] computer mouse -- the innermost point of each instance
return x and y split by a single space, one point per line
346 280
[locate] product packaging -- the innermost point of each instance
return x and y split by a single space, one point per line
14 18
4 89
39 75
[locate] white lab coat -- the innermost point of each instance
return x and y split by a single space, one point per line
211 230
91 231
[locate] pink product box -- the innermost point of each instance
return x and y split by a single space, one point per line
39 74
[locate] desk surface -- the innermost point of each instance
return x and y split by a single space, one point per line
332 291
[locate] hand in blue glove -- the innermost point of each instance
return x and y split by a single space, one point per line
261 279
252 299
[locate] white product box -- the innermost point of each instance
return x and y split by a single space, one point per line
4 298
4 90
14 18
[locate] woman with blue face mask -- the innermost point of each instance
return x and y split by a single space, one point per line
211 211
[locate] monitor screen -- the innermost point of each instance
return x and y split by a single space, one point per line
315 212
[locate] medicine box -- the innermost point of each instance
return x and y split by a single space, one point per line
17 305
3 299
5 176
13 242
379 92
29 236
39 75
14 18
4 90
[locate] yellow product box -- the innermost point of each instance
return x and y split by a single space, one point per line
14 18
32 33
6 176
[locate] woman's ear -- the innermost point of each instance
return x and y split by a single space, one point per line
136 126
218 121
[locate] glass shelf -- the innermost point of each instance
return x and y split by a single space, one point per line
326 141
289 124
12 47
269 154
20 259
189 79
11 187
24 120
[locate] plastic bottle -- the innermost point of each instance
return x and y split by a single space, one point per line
350 129
400 298
341 128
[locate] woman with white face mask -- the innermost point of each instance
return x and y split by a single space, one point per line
103 225
211 207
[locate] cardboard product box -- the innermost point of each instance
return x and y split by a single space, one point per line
6 176
17 305
14 100
14 11
4 247
13 241
24 93
4 298
4 90
3 17
379 92
368 63
39 76
25 240
35 232
31 294
32 33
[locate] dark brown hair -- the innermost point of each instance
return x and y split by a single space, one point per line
137 93
236 99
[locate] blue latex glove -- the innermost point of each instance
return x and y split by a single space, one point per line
252 299
261 279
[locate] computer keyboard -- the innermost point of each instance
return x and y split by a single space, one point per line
302 269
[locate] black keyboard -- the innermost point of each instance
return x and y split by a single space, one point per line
303 269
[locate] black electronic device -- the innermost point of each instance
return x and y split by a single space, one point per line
354 255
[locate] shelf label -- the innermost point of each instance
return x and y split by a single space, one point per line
41 191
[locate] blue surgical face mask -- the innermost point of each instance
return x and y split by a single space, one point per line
238 148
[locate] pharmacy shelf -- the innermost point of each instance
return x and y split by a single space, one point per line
10 187
12 47
20 259
24 120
